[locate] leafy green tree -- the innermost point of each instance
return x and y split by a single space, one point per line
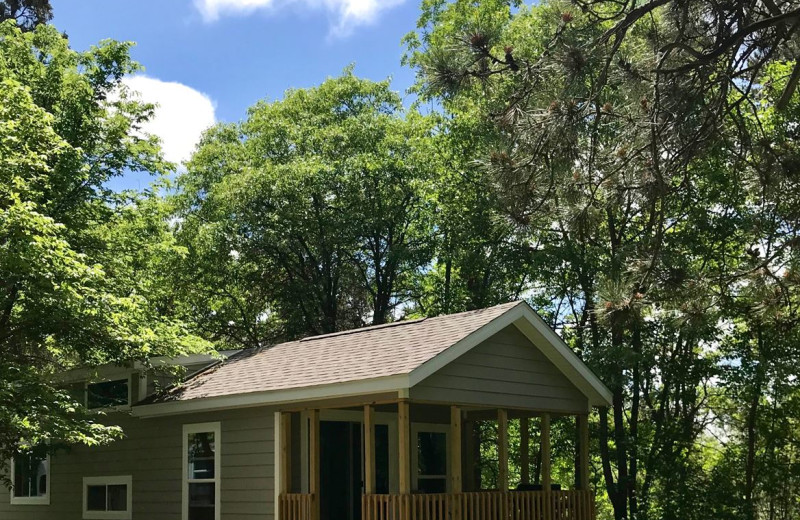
311 216
633 142
26 13
480 258
67 298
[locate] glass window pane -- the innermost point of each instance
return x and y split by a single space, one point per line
201 455
381 458
201 501
95 498
30 475
117 497
432 453
201 513
107 394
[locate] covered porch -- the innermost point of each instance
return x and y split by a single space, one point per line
408 459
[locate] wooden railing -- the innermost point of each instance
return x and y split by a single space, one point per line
296 506
481 505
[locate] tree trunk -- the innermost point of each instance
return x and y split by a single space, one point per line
605 457
620 435
633 502
752 417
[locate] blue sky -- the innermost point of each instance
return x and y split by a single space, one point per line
208 60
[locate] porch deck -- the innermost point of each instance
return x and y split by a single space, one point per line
477 505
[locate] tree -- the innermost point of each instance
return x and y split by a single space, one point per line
480 257
67 297
628 139
26 13
313 214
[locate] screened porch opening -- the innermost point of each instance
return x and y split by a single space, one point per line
408 460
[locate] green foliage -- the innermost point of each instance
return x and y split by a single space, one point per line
27 14
315 212
657 183
75 264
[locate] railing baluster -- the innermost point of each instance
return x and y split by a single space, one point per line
480 505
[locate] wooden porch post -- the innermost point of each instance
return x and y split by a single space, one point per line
314 462
583 452
369 450
455 460
545 451
455 450
524 451
404 447
502 449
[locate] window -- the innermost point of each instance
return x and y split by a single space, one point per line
30 476
107 498
107 394
201 465
430 458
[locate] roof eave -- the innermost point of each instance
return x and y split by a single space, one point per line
532 325
395 383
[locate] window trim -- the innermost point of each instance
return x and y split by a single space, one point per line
416 429
43 500
215 428
112 480
127 406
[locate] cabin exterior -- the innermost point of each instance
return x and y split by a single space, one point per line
370 424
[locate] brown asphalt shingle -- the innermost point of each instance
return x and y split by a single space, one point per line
366 353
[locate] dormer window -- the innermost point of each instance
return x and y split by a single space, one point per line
108 394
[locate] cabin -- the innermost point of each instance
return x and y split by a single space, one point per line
369 424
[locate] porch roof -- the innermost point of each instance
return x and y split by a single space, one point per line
370 359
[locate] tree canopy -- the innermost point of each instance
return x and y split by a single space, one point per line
75 267
631 169
643 146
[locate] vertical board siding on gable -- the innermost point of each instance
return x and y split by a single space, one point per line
506 370
151 453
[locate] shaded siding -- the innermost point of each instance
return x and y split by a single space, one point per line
505 370
152 453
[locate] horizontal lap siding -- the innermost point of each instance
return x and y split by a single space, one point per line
248 460
151 452
505 370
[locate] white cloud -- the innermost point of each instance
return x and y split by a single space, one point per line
347 13
181 114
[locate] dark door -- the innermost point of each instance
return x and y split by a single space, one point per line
340 467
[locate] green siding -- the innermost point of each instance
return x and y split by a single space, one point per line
506 370
152 453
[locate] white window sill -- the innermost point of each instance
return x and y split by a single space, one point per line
107 515
30 501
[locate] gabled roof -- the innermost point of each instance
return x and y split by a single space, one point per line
381 358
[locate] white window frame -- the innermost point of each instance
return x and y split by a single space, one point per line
43 500
416 429
216 429
124 407
116 480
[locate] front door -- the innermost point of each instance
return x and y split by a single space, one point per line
341 470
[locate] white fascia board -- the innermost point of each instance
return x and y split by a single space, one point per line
466 344
548 342
186 360
275 397
562 356
111 371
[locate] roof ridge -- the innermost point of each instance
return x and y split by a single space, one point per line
362 329
403 322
